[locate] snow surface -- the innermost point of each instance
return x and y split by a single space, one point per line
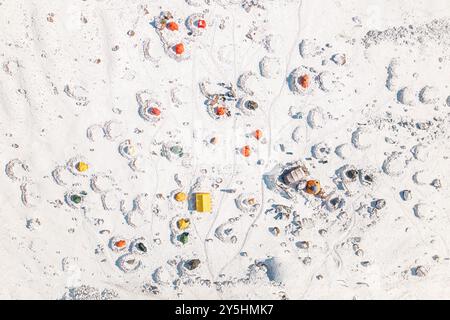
79 80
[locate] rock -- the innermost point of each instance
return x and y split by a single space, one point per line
141 247
348 173
366 177
335 203
365 263
352 174
192 264
303 244
252 105
213 140
129 263
275 231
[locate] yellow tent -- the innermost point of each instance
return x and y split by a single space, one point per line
203 202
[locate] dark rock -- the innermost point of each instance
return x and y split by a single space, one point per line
192 264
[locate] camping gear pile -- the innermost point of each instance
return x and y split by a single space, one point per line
150 109
246 202
176 36
180 230
168 29
129 261
220 102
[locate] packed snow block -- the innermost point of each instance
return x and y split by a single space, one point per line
273 270
276 269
